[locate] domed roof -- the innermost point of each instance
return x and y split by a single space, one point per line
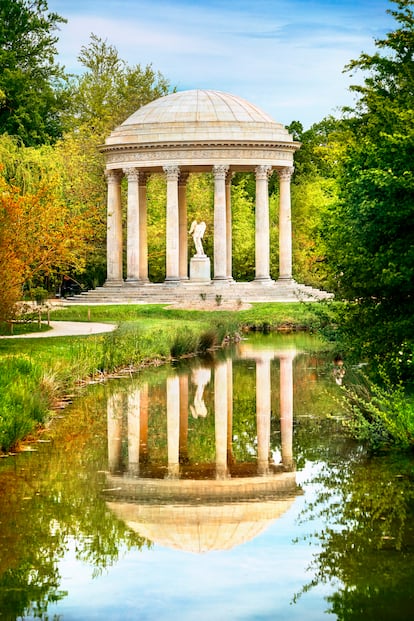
201 528
199 106
198 116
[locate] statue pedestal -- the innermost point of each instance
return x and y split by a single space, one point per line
200 269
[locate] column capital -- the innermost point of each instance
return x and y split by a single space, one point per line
220 171
113 176
172 172
132 174
285 173
263 171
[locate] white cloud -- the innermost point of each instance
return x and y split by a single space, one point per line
286 57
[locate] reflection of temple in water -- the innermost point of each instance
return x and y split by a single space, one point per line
199 506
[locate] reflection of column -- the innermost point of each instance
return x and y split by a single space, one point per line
114 228
173 426
263 410
134 404
143 241
133 229
262 224
229 233
114 421
285 225
220 233
143 433
220 418
182 209
183 417
286 408
229 411
172 246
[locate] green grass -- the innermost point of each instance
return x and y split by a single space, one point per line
36 372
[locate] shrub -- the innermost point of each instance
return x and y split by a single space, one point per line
380 416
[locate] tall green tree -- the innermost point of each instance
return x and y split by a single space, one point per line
109 90
33 87
370 237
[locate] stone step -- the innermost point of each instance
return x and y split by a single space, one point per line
160 293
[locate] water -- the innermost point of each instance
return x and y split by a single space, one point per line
224 489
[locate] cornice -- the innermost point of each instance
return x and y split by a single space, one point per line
189 146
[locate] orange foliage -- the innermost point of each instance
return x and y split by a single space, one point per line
39 236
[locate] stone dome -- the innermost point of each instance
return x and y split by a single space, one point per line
199 116
201 528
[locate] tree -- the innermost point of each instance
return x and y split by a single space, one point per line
110 90
33 88
42 235
370 236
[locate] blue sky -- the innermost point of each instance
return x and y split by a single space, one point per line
285 56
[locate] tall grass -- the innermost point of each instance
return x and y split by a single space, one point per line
25 399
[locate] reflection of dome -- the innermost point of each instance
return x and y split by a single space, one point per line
201 528
201 515
199 115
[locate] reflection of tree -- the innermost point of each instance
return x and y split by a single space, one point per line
368 543
50 500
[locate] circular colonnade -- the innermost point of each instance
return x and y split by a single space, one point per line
196 131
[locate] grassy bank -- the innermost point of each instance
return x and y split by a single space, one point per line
36 373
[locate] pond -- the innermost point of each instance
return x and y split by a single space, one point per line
220 488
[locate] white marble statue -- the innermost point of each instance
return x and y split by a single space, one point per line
197 230
200 377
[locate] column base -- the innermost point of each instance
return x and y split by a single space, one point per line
172 282
113 283
221 280
134 282
263 280
286 280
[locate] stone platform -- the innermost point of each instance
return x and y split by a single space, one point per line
185 292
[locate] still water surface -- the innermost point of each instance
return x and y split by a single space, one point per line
220 489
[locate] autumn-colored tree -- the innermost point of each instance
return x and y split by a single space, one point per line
40 237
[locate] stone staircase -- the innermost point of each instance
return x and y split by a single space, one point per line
198 294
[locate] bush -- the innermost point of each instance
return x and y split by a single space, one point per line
380 416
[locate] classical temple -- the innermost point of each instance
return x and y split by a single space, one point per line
178 498
196 131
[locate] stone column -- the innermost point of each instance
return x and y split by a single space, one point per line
114 229
172 252
182 214
285 225
134 430
143 241
286 409
230 459
220 419
143 418
220 234
183 418
263 411
229 234
173 426
262 225
114 430
133 228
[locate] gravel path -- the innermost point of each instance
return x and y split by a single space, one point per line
67 328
